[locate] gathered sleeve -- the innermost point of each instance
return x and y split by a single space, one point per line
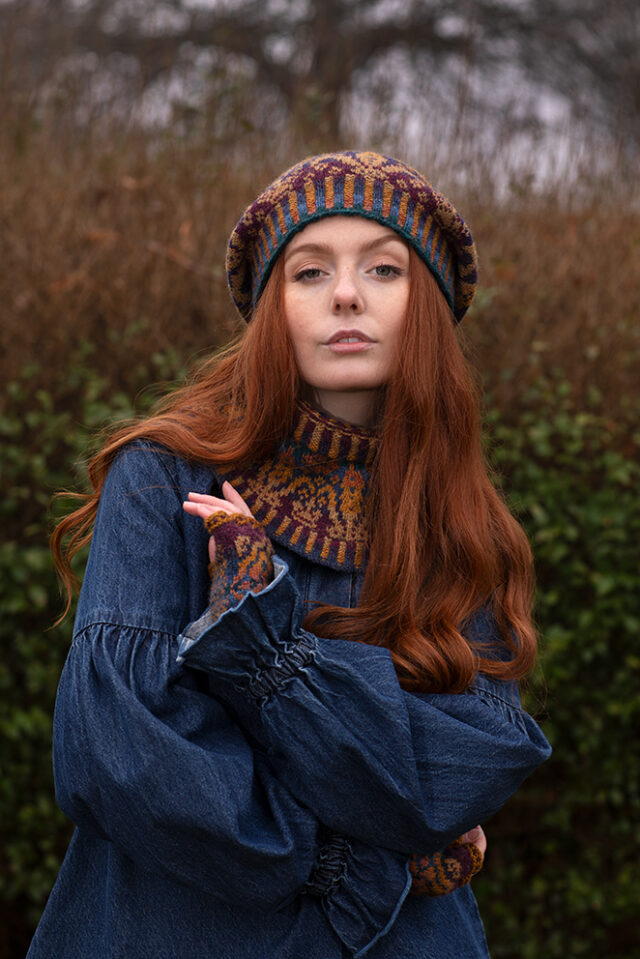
146 757
407 771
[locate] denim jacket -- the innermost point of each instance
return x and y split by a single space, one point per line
241 788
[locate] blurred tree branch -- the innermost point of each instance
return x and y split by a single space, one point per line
311 51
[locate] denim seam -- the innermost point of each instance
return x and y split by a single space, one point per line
296 658
480 693
105 622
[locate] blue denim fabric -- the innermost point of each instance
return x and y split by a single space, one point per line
244 789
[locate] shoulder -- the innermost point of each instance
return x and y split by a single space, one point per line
145 487
483 633
147 565
147 465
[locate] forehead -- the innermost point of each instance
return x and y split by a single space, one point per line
340 230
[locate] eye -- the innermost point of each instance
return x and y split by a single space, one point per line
386 270
311 273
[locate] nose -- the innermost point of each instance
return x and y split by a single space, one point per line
346 295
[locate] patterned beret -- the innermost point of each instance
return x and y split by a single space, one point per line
365 184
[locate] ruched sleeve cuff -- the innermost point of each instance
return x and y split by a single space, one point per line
262 644
361 890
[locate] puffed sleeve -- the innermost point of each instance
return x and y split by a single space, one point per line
410 772
146 757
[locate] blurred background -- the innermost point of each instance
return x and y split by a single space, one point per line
132 135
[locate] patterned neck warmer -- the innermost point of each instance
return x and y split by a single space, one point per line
311 495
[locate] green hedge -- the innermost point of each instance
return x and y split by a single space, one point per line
560 875
43 437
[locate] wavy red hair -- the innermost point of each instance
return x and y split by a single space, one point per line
442 541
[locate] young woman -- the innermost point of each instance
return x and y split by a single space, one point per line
278 729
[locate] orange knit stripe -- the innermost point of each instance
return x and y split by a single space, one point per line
402 210
425 233
447 272
349 182
353 449
368 194
283 525
329 196
299 430
417 213
293 207
310 194
295 536
387 196
443 253
316 436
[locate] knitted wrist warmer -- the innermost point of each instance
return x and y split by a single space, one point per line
243 560
445 871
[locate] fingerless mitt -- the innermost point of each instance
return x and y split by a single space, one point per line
243 559
445 871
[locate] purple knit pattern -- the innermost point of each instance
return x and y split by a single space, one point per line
311 496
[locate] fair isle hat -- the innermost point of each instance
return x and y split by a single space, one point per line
363 184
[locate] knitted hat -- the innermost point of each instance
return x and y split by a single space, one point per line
365 184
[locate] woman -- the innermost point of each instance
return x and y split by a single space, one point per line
286 753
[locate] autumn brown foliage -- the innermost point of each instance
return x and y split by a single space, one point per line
119 240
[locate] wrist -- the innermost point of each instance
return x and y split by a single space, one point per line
444 872
243 558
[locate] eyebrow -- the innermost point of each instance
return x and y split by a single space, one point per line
327 248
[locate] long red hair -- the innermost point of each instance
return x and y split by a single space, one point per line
442 542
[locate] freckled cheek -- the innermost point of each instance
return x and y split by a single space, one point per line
299 316
305 350
298 328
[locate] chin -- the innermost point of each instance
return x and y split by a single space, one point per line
351 386
350 381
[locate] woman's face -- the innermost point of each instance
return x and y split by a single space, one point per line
346 289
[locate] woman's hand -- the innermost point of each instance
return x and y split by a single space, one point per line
203 505
240 552
477 837
444 872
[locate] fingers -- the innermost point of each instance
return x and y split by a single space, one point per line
234 497
199 509
477 837
202 504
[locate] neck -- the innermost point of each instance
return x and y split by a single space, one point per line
358 408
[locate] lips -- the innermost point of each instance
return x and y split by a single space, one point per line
349 336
